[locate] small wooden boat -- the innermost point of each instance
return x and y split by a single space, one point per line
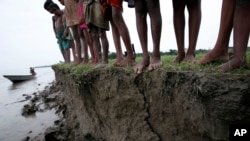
19 78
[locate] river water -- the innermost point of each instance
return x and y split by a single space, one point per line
14 126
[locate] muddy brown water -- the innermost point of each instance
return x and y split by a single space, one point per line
14 126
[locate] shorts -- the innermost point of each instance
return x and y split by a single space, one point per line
242 2
94 16
115 3
63 43
80 13
69 37
96 31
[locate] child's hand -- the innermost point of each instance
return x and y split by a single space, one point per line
81 20
65 34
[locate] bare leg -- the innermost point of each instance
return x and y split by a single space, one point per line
219 52
67 55
179 27
72 45
84 46
105 47
141 24
90 45
194 9
241 35
63 54
117 42
124 33
156 26
97 48
74 32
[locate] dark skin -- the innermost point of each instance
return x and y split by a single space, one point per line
74 31
101 58
237 17
72 44
90 44
120 30
219 52
64 37
142 8
87 37
84 43
100 45
58 26
241 27
194 9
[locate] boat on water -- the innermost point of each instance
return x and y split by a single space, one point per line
21 78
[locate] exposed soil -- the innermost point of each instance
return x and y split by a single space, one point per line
114 104
50 98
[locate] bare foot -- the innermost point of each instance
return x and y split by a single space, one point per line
74 62
138 69
93 62
154 64
101 65
233 64
67 62
126 62
117 62
78 61
189 58
213 56
85 61
179 58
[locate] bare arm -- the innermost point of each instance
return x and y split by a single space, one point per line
53 23
65 33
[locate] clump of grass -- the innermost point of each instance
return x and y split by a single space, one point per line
80 69
211 68
170 65
64 66
73 69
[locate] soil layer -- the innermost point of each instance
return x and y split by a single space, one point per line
114 104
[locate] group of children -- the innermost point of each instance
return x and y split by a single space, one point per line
82 25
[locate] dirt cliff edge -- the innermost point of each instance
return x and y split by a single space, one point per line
114 104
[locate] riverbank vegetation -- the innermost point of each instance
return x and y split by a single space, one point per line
168 64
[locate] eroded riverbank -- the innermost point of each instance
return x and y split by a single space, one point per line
115 104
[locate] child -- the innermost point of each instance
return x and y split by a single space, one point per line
59 29
119 29
234 14
68 35
72 21
97 27
194 9
152 7
86 40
